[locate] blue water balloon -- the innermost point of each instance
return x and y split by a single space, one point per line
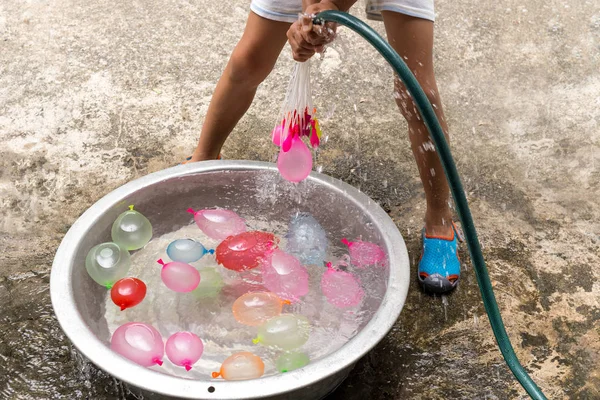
306 239
186 250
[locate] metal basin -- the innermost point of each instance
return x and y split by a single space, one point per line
251 188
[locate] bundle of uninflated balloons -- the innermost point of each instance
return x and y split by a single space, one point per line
297 119
283 275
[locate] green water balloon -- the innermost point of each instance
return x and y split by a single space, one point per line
131 230
290 361
211 283
107 263
286 331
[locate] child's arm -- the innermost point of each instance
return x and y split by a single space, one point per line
305 40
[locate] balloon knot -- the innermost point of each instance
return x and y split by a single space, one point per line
215 374
256 340
131 207
160 261
109 286
157 361
346 242
211 251
123 308
286 302
187 366
191 211
329 265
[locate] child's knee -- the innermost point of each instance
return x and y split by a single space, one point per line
246 67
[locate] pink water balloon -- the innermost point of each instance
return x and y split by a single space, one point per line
284 275
278 131
140 343
178 276
363 254
218 224
296 163
341 288
184 349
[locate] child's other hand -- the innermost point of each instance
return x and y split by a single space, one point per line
307 39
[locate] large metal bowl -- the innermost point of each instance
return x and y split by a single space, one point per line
252 188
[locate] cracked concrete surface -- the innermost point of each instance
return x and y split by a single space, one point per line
95 94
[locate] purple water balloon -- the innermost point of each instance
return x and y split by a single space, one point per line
140 343
363 254
184 349
284 275
178 276
341 288
218 224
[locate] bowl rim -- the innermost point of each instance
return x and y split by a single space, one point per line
74 326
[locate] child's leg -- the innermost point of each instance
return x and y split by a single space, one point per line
412 38
250 63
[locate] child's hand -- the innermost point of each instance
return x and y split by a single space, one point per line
305 38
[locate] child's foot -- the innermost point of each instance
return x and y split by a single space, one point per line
191 159
439 267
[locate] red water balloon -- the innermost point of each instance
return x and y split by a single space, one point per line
245 251
128 292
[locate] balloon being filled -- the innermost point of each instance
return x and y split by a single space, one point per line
211 283
341 288
255 308
296 163
363 254
128 292
286 331
184 349
241 366
131 230
186 250
245 250
218 224
306 239
290 361
283 275
107 263
138 342
178 276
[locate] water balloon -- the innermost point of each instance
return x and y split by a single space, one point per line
218 224
341 288
291 360
106 263
211 283
286 331
184 349
241 366
178 276
306 239
296 163
186 250
128 292
255 308
245 250
363 254
284 275
131 230
138 342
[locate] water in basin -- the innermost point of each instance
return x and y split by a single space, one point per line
211 317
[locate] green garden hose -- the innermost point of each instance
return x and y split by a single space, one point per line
460 200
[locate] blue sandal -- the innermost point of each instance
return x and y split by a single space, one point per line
439 267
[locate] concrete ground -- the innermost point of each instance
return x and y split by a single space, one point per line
94 94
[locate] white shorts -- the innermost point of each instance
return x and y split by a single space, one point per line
288 10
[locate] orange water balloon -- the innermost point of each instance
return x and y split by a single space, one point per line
241 366
255 308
